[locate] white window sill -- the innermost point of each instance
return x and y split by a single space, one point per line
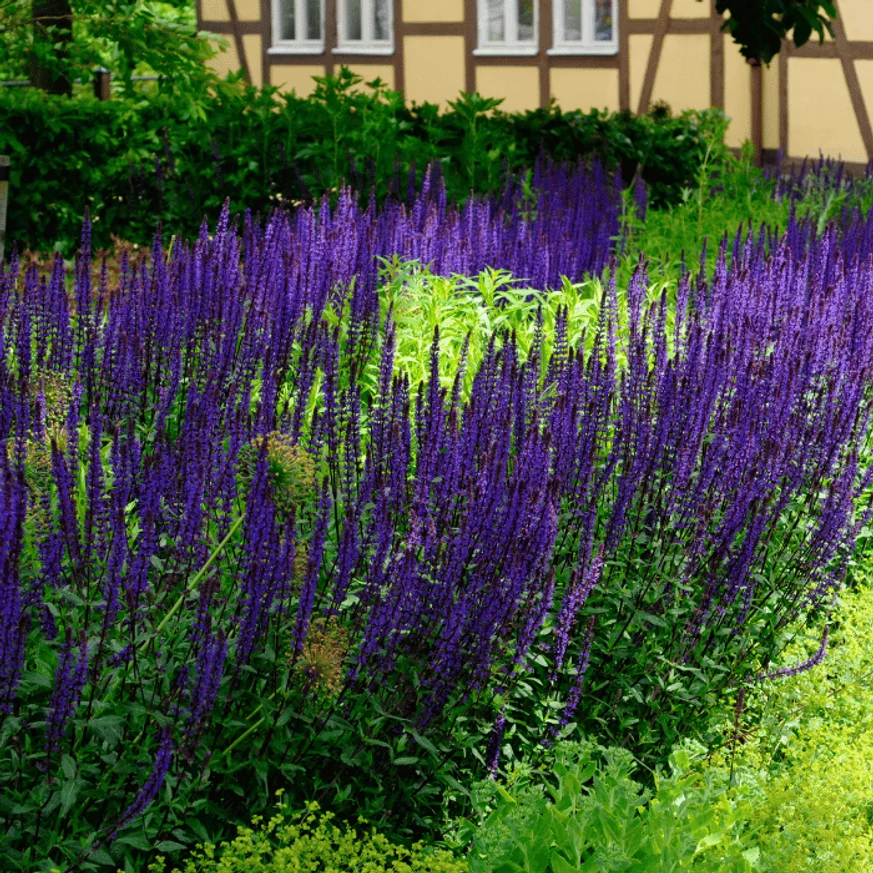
504 51
357 49
311 49
580 50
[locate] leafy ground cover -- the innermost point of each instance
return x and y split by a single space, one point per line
474 520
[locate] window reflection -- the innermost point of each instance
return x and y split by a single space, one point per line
603 25
496 21
287 21
525 20
573 20
354 22
381 23
313 19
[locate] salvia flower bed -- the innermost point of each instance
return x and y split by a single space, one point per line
239 551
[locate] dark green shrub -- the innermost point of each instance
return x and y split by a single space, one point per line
135 162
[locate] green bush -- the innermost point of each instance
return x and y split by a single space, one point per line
313 841
172 159
585 812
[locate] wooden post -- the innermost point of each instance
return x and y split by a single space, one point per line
757 101
4 193
102 83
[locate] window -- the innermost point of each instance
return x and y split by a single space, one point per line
585 27
508 27
298 26
365 26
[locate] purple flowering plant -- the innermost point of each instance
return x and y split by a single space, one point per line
263 558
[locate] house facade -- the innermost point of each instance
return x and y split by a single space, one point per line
604 54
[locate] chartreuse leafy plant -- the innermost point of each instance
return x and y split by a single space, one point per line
313 841
583 811
468 311
802 746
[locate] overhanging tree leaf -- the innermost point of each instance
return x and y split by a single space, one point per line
761 26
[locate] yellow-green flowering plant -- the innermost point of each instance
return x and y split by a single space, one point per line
313 840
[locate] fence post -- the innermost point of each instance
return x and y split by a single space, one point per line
4 193
102 83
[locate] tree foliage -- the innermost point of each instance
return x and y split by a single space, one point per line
760 26
54 48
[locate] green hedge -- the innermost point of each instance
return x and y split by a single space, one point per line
138 162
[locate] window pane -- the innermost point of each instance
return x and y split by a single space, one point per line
603 28
525 20
313 19
353 19
573 20
381 22
287 24
496 21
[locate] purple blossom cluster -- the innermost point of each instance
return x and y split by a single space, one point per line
695 465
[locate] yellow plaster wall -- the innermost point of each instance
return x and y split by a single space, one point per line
291 77
519 86
576 88
683 72
385 72
227 61
418 11
643 8
865 79
737 94
639 46
215 10
248 10
254 58
770 105
691 9
857 18
434 68
820 114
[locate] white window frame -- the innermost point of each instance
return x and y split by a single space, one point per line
367 45
295 46
587 45
512 45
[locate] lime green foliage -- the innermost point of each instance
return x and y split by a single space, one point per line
469 311
312 842
804 752
477 307
591 815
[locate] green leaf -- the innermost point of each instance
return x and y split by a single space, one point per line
68 765
169 846
135 841
102 857
107 727
69 792
610 824
561 865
